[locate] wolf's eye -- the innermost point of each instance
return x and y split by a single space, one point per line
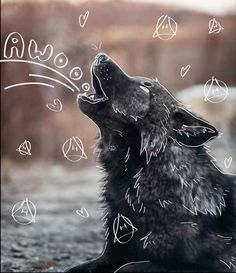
148 84
145 89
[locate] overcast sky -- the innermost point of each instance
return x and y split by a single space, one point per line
212 6
217 7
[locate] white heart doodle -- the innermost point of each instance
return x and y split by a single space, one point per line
82 212
83 18
184 70
227 162
56 106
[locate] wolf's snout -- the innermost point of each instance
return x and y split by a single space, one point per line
101 58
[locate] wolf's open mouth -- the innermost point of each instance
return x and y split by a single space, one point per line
99 94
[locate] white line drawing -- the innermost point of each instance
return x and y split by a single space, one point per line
206 147
16 43
164 203
24 212
227 162
60 60
123 229
107 233
35 53
24 148
184 70
145 89
192 224
194 209
127 156
73 149
95 47
104 223
194 130
215 91
117 110
28 83
76 73
45 66
82 212
214 26
85 97
119 132
86 86
83 19
56 106
52 79
146 240
213 160
230 263
104 216
137 262
227 239
166 28
135 191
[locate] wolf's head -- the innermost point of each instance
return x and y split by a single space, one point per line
120 102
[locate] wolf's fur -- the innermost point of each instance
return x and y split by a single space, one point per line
159 176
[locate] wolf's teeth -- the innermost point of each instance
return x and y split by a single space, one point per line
92 96
84 94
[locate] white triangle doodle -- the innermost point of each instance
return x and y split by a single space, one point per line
214 26
24 148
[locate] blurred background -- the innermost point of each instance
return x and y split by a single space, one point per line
124 30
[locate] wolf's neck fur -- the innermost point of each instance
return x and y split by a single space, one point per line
178 176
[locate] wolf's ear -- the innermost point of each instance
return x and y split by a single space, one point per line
191 131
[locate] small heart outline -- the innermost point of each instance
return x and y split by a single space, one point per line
184 70
83 19
227 162
52 106
82 212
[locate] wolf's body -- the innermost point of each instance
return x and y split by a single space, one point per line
167 208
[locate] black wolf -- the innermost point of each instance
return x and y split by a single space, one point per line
167 207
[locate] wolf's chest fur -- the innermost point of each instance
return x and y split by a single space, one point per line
166 199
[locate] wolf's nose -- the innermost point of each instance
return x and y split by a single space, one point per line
101 57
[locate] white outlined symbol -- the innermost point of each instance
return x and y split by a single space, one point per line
24 212
95 47
14 49
86 86
56 106
76 73
166 28
184 70
82 212
24 148
35 53
227 162
123 229
16 45
215 91
73 149
83 18
61 60
214 26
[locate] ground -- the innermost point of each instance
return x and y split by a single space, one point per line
60 237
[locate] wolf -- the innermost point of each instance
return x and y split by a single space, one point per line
167 207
